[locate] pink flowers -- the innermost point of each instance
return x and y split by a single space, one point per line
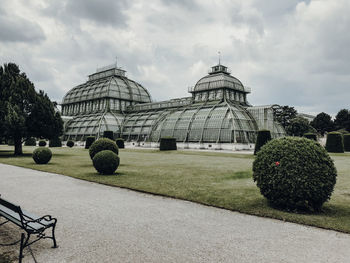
277 163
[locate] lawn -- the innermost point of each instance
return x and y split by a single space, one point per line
217 179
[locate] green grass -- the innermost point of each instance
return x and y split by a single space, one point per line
217 179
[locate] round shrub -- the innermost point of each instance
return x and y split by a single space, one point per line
346 138
106 162
311 136
334 143
294 173
42 143
42 155
70 143
108 134
55 142
103 144
120 143
30 142
263 137
167 144
89 140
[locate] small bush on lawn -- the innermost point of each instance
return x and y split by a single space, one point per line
167 144
311 136
120 143
42 155
89 140
70 143
42 143
10 142
108 134
30 142
334 143
55 142
346 138
294 173
263 137
106 162
103 144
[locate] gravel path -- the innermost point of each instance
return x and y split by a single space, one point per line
98 223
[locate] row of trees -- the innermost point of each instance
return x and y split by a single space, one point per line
24 112
322 123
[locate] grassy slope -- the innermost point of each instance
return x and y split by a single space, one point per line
218 179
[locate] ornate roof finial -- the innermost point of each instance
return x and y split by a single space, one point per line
219 56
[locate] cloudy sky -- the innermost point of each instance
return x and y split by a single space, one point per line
289 52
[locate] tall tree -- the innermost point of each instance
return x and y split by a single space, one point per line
284 114
342 120
322 123
299 126
24 112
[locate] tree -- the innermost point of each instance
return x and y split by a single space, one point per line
342 120
24 112
298 126
322 123
284 114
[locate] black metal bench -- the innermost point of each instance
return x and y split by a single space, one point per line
31 224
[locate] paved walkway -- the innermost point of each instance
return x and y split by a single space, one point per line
98 223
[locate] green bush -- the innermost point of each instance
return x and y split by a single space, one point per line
30 142
167 144
70 143
10 142
108 134
106 162
346 138
263 137
120 143
89 140
103 144
311 136
42 155
42 143
55 142
334 143
294 173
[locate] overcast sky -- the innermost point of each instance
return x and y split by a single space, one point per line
289 52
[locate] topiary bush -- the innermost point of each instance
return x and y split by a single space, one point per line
103 144
42 155
106 162
263 137
55 142
70 143
311 136
346 138
42 143
30 142
294 173
167 144
120 143
334 143
89 140
108 134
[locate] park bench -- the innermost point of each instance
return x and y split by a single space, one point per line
31 224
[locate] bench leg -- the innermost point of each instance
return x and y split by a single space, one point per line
21 248
53 236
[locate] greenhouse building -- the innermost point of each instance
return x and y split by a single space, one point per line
216 115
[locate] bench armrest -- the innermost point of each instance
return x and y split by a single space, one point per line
45 221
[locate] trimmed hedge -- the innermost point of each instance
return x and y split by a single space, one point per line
89 140
295 173
70 143
42 155
335 143
106 162
346 138
167 144
55 142
263 137
103 144
120 143
108 134
42 143
311 136
30 142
